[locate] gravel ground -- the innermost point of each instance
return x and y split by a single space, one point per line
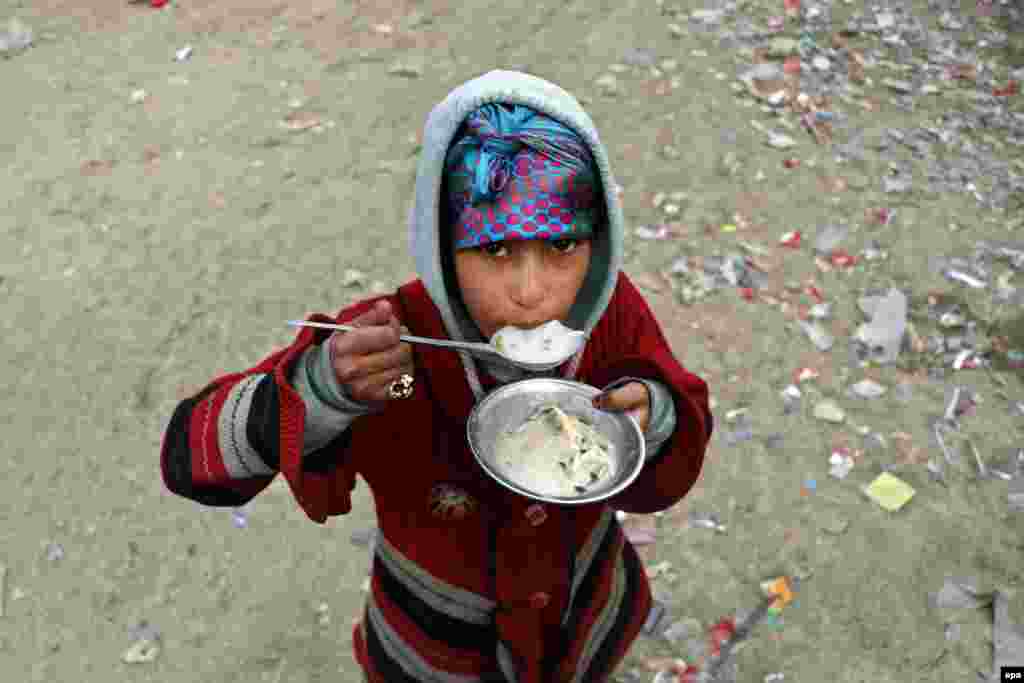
164 218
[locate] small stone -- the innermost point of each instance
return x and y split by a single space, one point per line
681 630
707 16
406 70
639 57
829 411
17 37
817 334
898 86
779 141
608 84
885 20
868 389
142 652
353 278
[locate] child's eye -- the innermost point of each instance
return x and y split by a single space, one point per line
562 246
487 248
568 242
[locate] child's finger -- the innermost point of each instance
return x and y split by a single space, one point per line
632 395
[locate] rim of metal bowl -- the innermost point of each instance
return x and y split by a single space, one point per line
589 391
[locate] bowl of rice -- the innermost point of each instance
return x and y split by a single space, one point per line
543 439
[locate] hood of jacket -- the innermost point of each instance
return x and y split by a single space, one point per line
434 262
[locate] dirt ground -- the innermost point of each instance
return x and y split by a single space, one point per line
152 241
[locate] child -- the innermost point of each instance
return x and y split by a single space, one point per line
515 222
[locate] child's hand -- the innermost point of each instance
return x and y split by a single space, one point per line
632 398
367 360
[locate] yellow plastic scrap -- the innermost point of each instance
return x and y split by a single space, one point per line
780 589
889 492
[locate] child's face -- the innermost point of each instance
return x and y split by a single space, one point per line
524 283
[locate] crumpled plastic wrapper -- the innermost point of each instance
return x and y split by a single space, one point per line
883 335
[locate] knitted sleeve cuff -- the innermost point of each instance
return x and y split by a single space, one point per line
663 413
324 382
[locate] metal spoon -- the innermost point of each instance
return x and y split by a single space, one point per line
477 349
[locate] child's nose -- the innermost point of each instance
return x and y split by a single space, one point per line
529 288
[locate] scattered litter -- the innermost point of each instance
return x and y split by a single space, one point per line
820 311
146 647
780 141
183 54
1015 495
889 492
706 522
1010 466
779 589
829 411
1007 637
821 339
143 630
659 233
829 237
868 389
660 569
791 393
641 530
982 469
16 38
805 374
950 456
681 630
54 552
240 517
727 634
883 335
298 121
965 278
960 593
841 464
364 537
3 590
654 624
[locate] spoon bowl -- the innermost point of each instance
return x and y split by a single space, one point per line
477 349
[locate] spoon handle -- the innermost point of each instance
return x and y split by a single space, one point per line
412 339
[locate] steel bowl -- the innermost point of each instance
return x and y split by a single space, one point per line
507 407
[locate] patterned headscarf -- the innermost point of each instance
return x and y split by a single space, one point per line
516 174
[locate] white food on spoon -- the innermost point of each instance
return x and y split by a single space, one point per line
549 342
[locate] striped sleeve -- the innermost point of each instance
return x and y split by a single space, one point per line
221 447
